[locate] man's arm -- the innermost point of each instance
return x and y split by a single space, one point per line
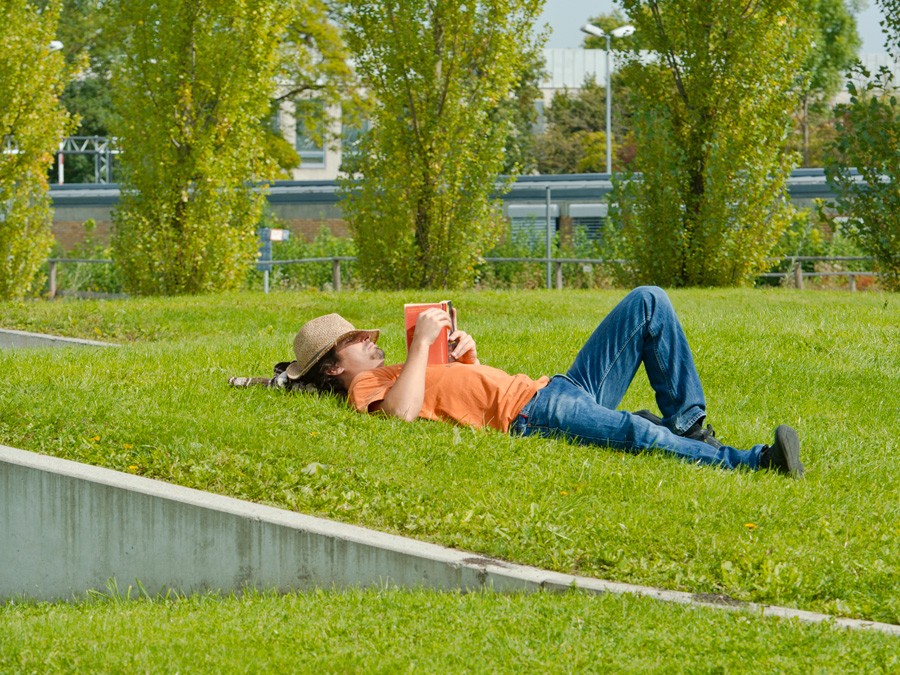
405 398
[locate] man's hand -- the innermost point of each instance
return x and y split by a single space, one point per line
429 325
465 350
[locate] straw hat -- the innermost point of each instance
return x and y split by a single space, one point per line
316 337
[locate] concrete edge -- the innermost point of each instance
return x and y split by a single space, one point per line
500 575
19 339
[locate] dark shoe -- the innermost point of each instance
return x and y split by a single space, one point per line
784 454
696 432
699 433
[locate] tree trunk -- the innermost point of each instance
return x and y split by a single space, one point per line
804 123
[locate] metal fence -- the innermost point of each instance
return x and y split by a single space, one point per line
795 270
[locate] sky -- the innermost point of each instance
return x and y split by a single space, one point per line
567 16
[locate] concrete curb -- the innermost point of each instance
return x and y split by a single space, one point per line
19 339
68 528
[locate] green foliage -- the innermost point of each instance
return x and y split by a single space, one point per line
890 24
314 66
816 233
868 137
833 47
308 275
710 119
420 204
574 138
281 152
31 124
91 277
190 93
519 155
522 243
608 23
89 45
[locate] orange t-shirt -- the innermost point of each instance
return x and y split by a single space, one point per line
476 395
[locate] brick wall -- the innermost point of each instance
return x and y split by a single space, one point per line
70 233
308 228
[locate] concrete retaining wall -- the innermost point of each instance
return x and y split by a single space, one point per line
66 528
17 339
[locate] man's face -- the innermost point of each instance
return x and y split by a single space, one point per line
358 354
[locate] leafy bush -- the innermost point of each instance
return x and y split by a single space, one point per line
90 277
519 243
816 233
308 275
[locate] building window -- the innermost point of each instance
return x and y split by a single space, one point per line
528 222
351 135
310 133
590 219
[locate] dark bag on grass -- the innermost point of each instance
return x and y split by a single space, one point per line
280 380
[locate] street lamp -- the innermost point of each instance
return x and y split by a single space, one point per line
620 32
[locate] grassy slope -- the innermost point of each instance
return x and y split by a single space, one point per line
398 631
828 364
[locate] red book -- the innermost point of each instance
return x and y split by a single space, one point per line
440 348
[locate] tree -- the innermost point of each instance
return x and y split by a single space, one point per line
574 136
420 206
196 80
32 75
711 113
868 137
315 72
519 109
313 64
834 43
89 48
608 23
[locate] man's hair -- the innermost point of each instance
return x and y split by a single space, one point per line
318 375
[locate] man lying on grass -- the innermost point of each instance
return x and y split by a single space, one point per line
581 405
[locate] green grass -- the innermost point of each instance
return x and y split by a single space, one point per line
826 363
399 632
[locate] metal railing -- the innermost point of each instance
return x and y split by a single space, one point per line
799 275
796 268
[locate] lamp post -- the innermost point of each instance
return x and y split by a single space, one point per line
620 32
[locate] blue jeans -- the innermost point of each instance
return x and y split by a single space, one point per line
581 405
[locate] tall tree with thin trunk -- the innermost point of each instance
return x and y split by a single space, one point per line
863 164
711 113
32 75
833 48
190 95
421 200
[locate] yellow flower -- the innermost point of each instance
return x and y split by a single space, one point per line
128 446
133 467
95 439
563 493
750 526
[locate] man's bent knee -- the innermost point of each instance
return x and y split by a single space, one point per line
653 295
